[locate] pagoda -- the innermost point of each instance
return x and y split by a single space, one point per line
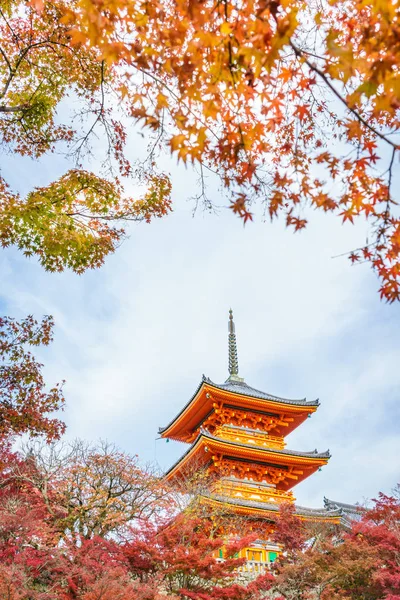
236 434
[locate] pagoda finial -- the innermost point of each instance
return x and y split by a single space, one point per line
233 356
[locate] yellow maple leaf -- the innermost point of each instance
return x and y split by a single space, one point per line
226 28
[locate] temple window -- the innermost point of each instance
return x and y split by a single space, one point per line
272 556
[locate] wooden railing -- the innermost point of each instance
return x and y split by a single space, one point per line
250 491
250 437
255 567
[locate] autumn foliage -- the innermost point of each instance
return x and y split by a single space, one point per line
358 563
88 522
173 555
25 404
46 555
291 104
76 220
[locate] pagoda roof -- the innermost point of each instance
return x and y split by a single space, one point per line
256 508
242 388
312 453
353 510
205 442
201 403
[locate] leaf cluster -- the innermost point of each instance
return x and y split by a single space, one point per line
77 220
25 403
288 102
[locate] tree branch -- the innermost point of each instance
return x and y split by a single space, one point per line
300 54
12 109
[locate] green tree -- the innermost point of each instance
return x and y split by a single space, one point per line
78 219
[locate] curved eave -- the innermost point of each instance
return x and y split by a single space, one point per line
201 405
269 512
273 451
205 444
242 388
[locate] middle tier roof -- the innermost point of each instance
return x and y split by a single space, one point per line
286 467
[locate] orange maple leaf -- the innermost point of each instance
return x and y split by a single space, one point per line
302 111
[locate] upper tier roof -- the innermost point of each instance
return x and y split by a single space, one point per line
240 387
239 394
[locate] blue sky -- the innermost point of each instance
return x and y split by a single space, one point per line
133 339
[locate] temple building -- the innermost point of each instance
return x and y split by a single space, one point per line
236 435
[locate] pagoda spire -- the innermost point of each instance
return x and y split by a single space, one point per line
233 355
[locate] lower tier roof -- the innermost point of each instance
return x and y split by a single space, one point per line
268 510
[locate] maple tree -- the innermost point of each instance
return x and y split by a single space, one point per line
180 557
33 564
289 531
25 536
362 563
331 568
91 490
104 489
294 104
25 403
76 220
161 555
380 528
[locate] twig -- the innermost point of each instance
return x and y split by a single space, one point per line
299 53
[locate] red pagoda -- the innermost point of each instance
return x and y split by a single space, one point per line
237 435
